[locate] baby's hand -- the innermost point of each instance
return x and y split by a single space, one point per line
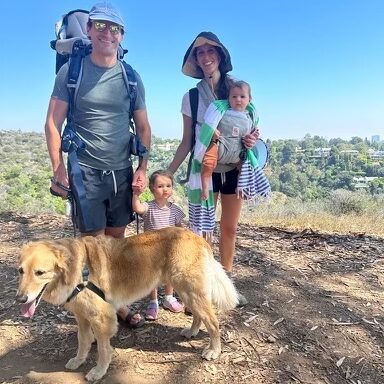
216 135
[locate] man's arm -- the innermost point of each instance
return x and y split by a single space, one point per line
143 130
57 113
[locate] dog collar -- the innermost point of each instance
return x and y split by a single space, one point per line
94 288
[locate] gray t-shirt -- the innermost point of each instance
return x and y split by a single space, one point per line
101 113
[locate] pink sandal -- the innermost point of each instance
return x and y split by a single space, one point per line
173 306
152 312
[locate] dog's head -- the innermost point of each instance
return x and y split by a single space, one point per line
41 264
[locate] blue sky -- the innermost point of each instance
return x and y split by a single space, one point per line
315 67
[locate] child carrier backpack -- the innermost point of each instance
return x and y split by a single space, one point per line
72 45
70 28
260 149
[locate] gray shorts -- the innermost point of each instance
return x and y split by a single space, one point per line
109 198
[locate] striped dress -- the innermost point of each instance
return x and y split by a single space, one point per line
158 218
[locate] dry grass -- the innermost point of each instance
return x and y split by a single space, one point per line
322 215
323 222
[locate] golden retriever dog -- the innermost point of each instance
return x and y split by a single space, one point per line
122 271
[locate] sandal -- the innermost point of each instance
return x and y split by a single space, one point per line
173 306
132 320
152 312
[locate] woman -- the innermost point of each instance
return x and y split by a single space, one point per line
209 60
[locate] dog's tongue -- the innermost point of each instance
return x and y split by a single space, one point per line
27 310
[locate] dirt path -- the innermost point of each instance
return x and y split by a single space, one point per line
316 315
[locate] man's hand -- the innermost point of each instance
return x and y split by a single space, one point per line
139 181
60 183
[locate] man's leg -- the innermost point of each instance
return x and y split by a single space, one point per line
117 232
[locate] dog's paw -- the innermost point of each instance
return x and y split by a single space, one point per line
96 373
74 363
210 354
189 333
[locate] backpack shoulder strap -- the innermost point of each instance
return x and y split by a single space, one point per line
194 101
79 51
130 79
131 83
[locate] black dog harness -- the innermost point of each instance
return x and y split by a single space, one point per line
94 288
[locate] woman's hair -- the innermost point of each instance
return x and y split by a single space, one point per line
240 84
160 172
223 87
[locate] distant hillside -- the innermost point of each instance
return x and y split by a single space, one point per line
307 169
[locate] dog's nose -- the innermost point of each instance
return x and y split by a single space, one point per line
21 298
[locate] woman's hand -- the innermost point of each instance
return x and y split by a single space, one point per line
249 140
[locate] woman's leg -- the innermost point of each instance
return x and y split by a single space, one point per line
230 215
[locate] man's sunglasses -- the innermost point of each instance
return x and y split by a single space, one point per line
100 26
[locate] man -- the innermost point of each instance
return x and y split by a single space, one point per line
101 119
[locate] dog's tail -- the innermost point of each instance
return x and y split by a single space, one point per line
223 292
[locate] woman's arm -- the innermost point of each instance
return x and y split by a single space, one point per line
184 147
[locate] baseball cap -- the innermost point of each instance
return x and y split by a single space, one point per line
107 12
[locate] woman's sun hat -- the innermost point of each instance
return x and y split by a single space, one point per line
190 67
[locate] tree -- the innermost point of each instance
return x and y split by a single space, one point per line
288 152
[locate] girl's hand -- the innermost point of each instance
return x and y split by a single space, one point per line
249 140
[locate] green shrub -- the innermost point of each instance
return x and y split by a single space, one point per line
343 202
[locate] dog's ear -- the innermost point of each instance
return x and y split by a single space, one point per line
62 255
